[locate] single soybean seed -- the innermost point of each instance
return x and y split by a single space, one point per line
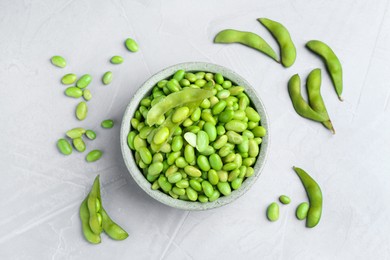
87 95
131 45
107 78
81 111
58 61
180 114
79 144
84 81
94 155
75 132
161 136
64 146
68 79
90 134
108 123
116 59
273 212
284 199
224 188
73 92
302 210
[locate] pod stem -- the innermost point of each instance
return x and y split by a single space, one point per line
341 99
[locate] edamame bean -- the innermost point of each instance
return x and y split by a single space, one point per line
224 188
178 191
107 78
108 123
211 131
181 162
130 138
189 153
214 196
248 161
207 188
81 111
174 177
192 171
280 33
191 194
273 212
182 184
332 63
234 137
177 143
155 168
243 147
202 141
180 114
64 146
93 156
223 94
116 59
131 45
252 114
215 162
236 183
89 235
203 163
84 81
219 107
234 91
195 185
253 148
302 209
246 38
223 176
249 172
73 92
68 79
226 116
259 131
212 176
219 78
79 144
58 61
191 77
314 194
75 132
284 199
164 184
236 126
145 154
203 198
87 95
161 136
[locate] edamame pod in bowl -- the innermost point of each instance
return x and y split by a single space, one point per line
174 143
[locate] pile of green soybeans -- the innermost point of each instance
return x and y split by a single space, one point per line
77 89
196 137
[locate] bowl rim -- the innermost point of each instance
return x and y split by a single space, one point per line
145 88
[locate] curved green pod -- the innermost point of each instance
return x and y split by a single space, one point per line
313 86
332 63
246 38
314 194
300 105
288 51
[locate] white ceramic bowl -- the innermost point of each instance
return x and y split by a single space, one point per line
146 89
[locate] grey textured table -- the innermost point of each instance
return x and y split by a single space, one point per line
41 190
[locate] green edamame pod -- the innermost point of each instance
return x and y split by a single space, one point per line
288 51
89 235
332 63
112 229
314 194
176 99
246 38
313 86
93 196
300 105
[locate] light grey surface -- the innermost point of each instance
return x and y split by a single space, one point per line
42 190
145 90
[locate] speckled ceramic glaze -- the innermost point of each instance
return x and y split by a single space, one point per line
145 89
